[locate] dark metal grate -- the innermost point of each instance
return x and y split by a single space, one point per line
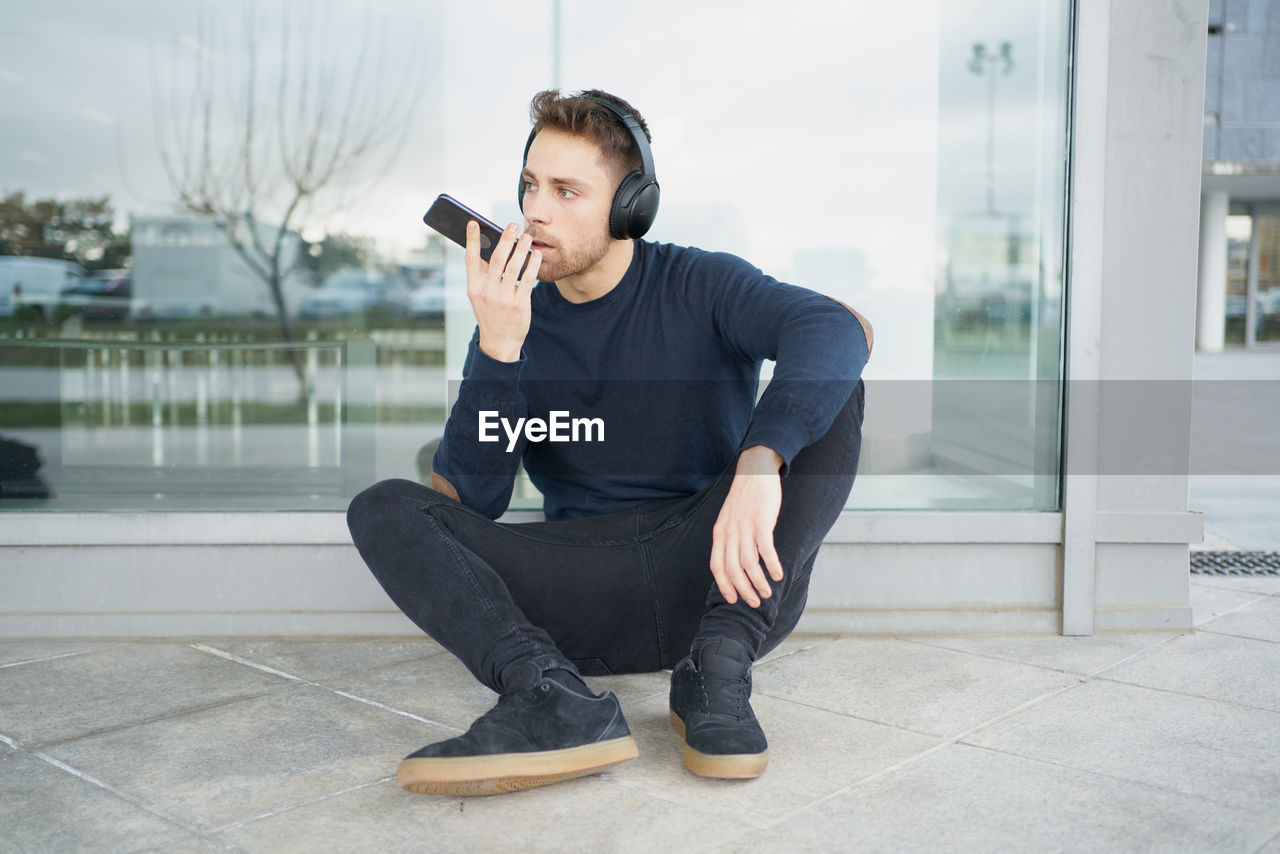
1235 563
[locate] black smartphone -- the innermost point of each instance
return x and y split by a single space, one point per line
449 216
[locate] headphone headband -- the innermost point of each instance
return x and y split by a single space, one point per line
637 132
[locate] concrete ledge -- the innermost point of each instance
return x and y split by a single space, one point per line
941 621
323 529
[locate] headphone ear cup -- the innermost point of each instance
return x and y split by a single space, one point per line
634 206
520 194
644 208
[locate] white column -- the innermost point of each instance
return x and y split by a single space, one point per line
1211 292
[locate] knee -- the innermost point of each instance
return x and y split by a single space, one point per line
382 501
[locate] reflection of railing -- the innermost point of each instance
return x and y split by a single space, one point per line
196 417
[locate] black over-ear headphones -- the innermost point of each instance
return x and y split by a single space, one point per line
636 203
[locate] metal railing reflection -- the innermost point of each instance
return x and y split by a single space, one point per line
192 420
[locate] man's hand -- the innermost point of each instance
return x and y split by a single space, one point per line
743 533
499 299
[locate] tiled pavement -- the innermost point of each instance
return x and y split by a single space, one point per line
1117 742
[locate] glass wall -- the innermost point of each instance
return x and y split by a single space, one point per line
908 160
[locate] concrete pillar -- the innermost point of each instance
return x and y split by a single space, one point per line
1211 292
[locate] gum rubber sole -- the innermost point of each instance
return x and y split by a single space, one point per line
510 772
732 766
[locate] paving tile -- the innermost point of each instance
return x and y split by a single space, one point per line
966 799
1081 655
798 643
1267 585
13 652
1272 847
1259 619
438 688
43 808
240 760
192 844
65 698
812 753
319 660
1237 670
634 687
922 688
1220 752
1209 602
585 815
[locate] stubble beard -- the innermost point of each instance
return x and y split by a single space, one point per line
576 259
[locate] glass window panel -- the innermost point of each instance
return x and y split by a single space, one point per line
878 157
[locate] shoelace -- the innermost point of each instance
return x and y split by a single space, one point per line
732 700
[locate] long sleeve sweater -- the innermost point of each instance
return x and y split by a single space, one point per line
648 392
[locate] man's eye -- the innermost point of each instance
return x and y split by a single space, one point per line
566 193
528 185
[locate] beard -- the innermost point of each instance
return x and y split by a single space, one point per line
570 260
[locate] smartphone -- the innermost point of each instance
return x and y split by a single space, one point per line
449 216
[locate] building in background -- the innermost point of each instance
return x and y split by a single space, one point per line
1238 300
1016 213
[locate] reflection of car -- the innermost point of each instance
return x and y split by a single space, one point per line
427 300
34 284
354 292
102 295
1269 302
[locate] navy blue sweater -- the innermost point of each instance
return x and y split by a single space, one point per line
669 363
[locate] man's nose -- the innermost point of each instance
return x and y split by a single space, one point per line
534 210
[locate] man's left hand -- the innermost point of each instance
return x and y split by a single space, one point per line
743 533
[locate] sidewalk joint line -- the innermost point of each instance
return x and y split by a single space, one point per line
236 825
238 660
391 709
1142 653
992 657
264 668
138 802
947 742
1270 839
848 715
1109 776
1223 634
1189 696
40 659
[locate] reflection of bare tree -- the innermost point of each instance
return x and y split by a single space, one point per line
287 146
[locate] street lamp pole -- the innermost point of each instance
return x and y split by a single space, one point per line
984 61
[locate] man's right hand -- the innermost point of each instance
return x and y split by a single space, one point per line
499 299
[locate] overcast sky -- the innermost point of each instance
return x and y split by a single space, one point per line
779 129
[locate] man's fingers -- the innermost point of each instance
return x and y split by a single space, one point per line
718 570
472 254
735 570
530 276
749 558
771 561
502 252
512 269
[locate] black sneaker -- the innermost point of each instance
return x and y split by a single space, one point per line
538 733
710 708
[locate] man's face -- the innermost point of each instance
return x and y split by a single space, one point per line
567 196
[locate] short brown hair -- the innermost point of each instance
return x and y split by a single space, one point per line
576 115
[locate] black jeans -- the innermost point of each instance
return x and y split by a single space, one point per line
621 593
